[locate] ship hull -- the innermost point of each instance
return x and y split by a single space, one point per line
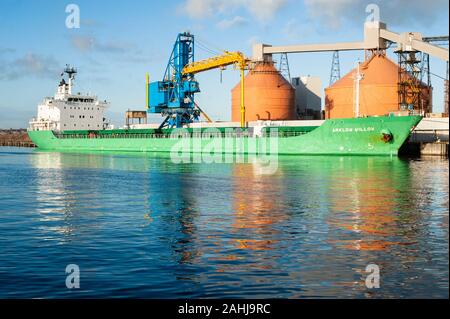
360 136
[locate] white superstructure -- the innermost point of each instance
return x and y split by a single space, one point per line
67 111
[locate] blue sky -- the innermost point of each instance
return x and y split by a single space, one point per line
119 41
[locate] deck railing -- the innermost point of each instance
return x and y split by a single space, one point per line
244 134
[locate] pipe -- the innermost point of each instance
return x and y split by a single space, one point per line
242 98
359 76
147 97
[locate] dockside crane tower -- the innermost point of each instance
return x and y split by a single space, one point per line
173 97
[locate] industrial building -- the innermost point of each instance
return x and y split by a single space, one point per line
308 97
378 91
377 86
268 95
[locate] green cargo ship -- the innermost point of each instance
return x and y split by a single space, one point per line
382 135
75 122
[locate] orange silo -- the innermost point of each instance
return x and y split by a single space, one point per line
267 95
378 90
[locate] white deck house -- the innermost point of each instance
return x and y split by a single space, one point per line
67 111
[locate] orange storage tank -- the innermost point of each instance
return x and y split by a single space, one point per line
267 96
378 90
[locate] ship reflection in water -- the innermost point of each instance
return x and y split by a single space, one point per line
139 226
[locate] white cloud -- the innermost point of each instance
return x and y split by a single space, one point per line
90 43
6 50
198 9
262 10
83 43
334 13
35 63
291 29
296 30
253 40
237 21
29 64
331 13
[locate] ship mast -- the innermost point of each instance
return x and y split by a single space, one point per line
358 77
71 72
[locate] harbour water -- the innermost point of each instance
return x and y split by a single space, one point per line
138 225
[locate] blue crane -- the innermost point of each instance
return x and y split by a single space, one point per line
173 97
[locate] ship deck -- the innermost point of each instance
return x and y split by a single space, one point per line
284 131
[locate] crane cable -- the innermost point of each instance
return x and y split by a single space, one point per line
206 49
210 46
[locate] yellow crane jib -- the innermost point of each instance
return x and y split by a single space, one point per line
228 58
223 60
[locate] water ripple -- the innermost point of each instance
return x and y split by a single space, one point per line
140 226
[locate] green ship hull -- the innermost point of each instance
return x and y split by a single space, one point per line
382 135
